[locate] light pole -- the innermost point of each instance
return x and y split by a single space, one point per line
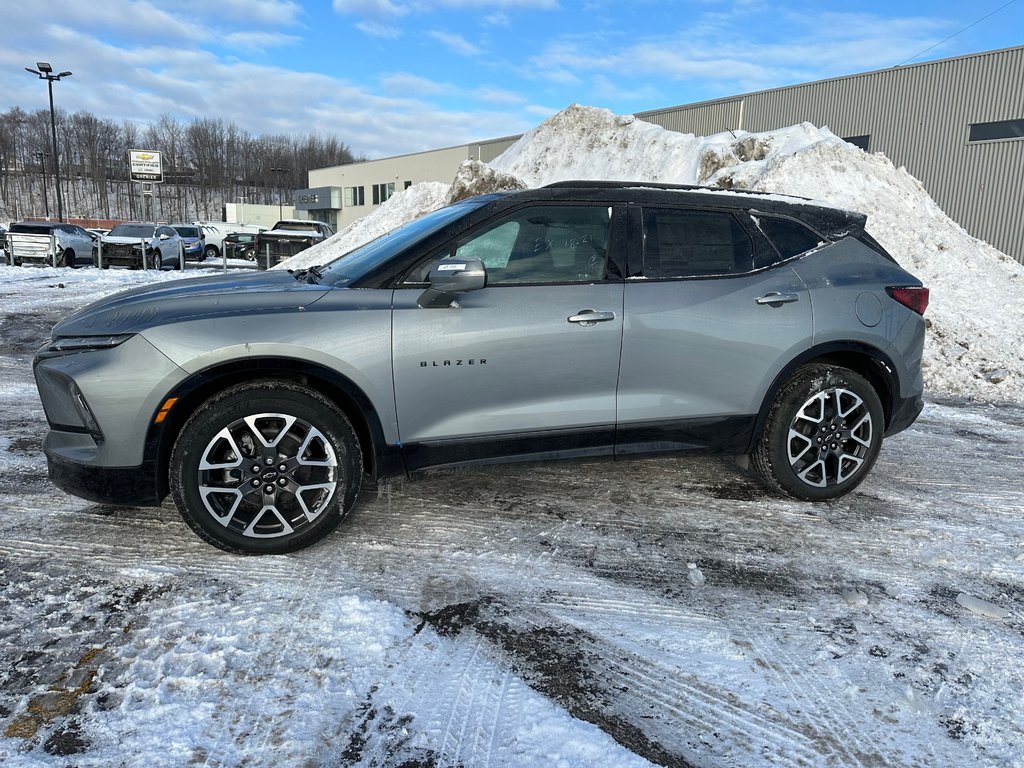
42 168
45 72
280 190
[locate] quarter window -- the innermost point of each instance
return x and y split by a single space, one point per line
680 243
789 238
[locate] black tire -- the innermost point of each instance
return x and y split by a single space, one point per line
822 435
67 258
281 495
211 252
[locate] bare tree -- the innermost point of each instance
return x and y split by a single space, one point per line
207 162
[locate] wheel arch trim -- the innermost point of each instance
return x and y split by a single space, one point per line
872 363
205 383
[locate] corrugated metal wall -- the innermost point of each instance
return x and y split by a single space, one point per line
699 119
919 116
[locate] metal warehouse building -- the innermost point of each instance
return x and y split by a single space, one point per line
956 124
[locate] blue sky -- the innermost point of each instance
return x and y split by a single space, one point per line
389 77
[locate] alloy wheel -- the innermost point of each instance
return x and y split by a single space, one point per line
267 475
830 437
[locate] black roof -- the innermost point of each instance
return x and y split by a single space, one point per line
834 223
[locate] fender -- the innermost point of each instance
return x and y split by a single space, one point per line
379 459
850 354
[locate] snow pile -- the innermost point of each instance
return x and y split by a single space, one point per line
975 346
475 178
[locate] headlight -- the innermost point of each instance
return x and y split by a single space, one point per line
83 343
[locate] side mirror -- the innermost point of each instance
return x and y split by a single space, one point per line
449 277
165 237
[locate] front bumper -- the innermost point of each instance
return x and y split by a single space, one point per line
100 406
121 486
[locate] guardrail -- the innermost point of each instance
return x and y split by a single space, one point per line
154 261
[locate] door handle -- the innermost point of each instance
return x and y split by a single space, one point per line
588 317
776 299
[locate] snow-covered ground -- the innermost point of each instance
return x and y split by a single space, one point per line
656 611
523 615
975 344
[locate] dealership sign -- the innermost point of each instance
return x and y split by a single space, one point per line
145 165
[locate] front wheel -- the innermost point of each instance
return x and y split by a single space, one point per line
210 252
67 259
822 435
265 467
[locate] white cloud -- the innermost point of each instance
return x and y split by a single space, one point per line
373 8
376 29
696 53
455 42
406 82
258 40
276 12
498 95
499 19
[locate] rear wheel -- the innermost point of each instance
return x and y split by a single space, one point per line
265 467
210 252
822 435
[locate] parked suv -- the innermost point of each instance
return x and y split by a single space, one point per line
29 242
192 240
240 245
580 319
142 246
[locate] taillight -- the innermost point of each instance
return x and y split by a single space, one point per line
913 297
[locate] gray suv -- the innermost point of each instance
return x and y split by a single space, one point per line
579 319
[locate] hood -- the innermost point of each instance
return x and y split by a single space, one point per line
141 308
316 234
125 240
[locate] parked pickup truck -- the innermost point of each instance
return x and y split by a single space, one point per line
287 238
30 242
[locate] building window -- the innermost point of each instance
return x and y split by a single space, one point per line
859 141
355 196
1002 129
408 184
381 192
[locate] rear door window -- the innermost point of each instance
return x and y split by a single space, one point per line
694 243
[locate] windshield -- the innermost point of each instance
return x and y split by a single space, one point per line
132 230
31 229
297 226
187 231
368 257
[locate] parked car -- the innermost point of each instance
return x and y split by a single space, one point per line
240 245
215 232
580 319
30 242
287 238
154 246
192 239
